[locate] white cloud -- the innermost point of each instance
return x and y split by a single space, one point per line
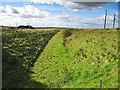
27 11
77 4
58 21
8 10
96 22
22 15
34 16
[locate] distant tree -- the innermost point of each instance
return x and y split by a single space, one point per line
25 27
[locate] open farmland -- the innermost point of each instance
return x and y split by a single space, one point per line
69 58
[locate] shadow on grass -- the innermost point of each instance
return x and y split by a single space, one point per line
14 75
16 69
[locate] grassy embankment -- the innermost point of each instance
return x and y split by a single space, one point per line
20 49
72 58
79 59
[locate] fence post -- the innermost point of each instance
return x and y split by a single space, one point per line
100 84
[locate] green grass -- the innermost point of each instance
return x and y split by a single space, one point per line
79 59
70 58
20 49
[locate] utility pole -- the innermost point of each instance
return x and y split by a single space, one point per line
105 19
16 24
9 24
114 21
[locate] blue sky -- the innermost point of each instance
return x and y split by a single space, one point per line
51 13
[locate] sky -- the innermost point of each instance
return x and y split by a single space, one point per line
58 13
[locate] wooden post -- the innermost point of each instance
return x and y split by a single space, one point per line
114 22
105 19
100 84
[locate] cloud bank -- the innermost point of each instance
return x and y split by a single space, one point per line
27 11
77 4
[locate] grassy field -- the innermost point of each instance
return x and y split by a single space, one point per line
70 58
